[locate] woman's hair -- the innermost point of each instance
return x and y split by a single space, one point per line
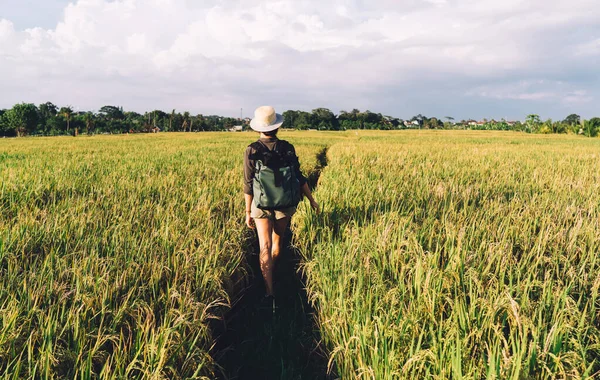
271 133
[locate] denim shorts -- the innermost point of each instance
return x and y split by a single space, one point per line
257 213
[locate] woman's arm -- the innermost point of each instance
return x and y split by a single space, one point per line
248 193
303 182
308 194
249 220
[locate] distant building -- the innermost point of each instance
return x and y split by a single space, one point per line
237 128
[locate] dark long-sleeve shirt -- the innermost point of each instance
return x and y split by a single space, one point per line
250 164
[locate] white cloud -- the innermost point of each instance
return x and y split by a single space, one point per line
538 90
6 29
577 97
213 56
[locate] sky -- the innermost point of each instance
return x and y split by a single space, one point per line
458 58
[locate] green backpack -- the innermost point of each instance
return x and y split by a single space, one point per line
275 185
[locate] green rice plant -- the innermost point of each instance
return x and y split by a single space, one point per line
437 255
117 251
457 255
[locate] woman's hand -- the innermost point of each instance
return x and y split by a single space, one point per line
249 221
308 194
315 206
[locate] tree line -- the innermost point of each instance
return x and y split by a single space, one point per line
48 119
533 124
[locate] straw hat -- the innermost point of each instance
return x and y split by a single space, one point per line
266 120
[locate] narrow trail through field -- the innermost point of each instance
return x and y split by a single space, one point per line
257 344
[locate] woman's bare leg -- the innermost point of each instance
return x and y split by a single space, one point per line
264 228
279 227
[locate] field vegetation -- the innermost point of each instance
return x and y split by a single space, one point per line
438 254
457 255
116 252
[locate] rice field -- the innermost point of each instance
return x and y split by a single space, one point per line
458 255
437 255
117 251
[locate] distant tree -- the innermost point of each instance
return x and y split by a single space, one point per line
54 126
134 122
390 122
177 121
502 125
22 118
433 123
199 122
449 123
171 117
47 111
532 123
519 126
325 119
186 122
349 120
112 113
226 123
112 119
66 112
370 120
289 119
159 119
4 128
573 119
78 122
303 120
559 127
88 119
591 127
419 119
546 127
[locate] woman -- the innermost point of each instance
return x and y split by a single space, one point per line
270 224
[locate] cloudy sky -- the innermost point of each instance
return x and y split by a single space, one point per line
460 58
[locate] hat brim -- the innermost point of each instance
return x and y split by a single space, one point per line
261 127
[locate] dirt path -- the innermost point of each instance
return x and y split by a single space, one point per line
254 343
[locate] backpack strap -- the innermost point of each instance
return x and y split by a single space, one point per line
267 156
280 146
259 150
284 149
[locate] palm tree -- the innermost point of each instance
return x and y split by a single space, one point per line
171 120
186 121
66 112
591 127
89 121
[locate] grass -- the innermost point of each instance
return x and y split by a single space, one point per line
438 254
116 252
458 255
